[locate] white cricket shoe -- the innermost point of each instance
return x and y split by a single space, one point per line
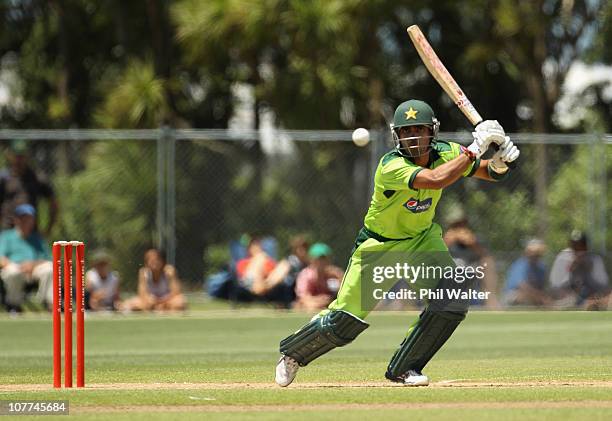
415 378
286 370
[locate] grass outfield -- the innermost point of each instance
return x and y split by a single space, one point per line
515 365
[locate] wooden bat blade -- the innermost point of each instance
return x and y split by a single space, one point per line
443 77
441 74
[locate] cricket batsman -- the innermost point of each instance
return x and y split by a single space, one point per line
408 185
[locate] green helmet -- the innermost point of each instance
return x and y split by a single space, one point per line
414 113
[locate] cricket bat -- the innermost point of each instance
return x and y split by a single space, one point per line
443 77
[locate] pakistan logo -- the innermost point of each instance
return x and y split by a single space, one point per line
416 206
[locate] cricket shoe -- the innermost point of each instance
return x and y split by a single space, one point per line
286 370
411 378
415 378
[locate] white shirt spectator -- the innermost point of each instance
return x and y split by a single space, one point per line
560 273
110 285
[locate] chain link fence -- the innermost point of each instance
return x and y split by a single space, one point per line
192 192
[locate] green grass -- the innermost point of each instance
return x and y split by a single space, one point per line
223 346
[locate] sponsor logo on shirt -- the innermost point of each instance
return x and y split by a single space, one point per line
418 206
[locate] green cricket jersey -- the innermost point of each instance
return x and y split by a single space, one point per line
398 210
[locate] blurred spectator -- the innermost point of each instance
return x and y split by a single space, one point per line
25 259
253 270
579 276
526 278
467 250
20 184
158 285
102 283
255 275
282 279
318 283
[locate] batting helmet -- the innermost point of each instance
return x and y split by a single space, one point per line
414 113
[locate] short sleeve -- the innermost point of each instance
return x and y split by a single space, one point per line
398 174
241 267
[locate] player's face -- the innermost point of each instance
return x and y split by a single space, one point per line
415 140
103 269
153 260
25 223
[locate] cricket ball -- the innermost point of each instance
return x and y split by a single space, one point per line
361 137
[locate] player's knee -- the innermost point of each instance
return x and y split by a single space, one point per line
341 327
322 334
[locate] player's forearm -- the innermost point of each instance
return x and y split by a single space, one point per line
444 175
482 172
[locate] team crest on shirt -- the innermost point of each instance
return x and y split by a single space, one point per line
418 206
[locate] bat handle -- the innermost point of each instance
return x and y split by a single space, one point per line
511 165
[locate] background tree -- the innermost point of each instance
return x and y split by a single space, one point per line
311 65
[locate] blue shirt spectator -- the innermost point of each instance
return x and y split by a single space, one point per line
19 249
25 259
526 277
525 270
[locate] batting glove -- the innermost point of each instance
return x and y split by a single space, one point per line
480 144
508 152
492 130
485 133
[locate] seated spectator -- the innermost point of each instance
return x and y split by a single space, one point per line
281 281
253 270
159 287
579 276
526 278
318 283
25 259
467 250
276 285
102 284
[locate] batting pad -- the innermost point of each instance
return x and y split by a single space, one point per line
321 335
429 334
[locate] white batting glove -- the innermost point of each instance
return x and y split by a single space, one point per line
486 132
480 145
492 130
507 152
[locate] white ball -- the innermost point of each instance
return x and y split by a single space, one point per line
361 137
